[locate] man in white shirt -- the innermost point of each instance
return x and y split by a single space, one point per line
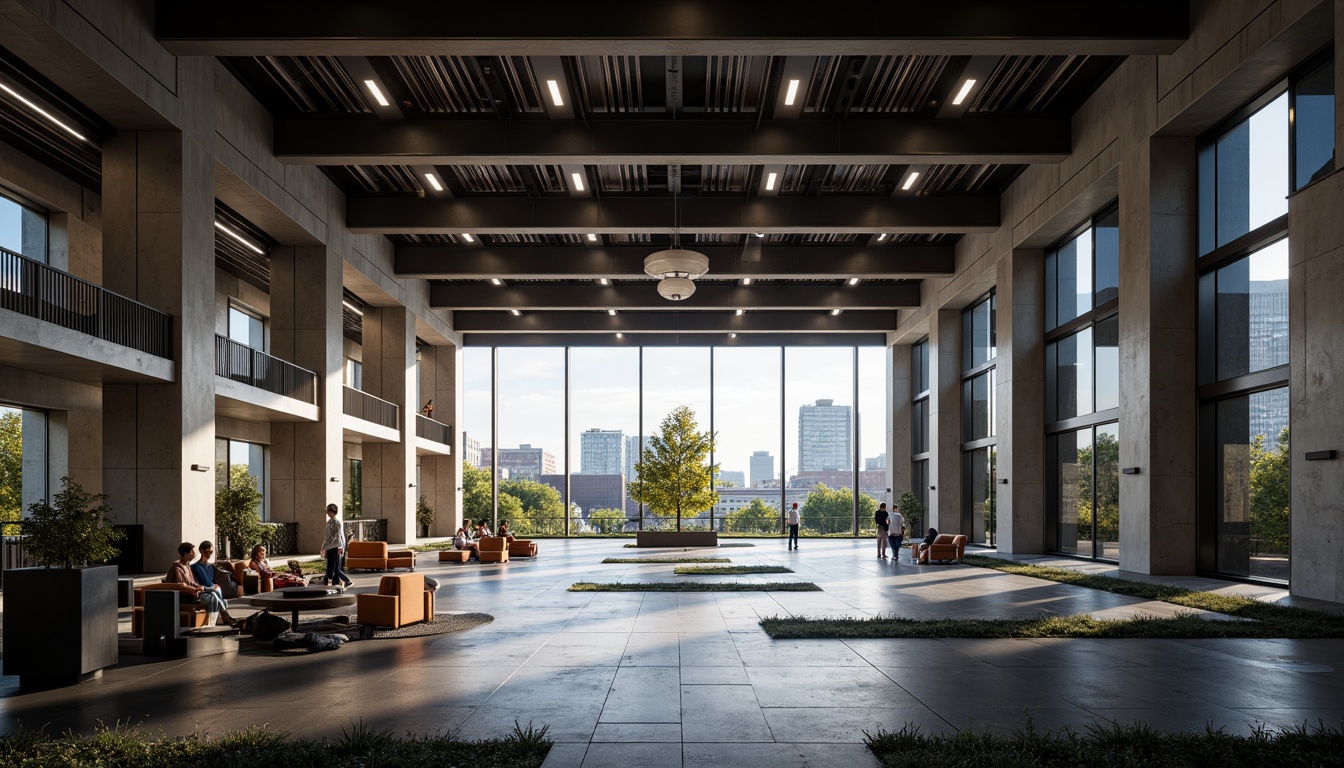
791 518
896 532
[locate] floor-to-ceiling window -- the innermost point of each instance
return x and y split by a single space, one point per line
978 439
23 462
819 439
23 229
603 439
1280 142
530 452
478 405
239 462
919 422
675 376
1082 391
870 418
747 390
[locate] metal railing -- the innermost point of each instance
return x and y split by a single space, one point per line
256 368
34 289
364 406
433 430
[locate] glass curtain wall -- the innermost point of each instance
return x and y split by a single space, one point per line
238 462
979 455
530 452
1082 399
819 440
746 418
673 377
1247 168
871 419
604 438
478 384
919 422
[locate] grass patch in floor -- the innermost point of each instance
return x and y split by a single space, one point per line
1078 625
686 586
1289 620
1118 745
358 745
433 546
667 560
729 570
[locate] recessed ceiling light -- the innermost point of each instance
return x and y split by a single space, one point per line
555 93
965 89
578 180
770 181
791 94
434 182
853 281
910 180
746 281
620 335
346 303
496 281
50 117
515 312
467 236
834 312
248 244
377 93
592 238
732 335
611 312
603 281
882 237
740 312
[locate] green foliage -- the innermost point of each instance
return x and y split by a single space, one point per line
1270 495
1106 481
424 514
11 469
909 506
476 501
236 518
1108 745
831 510
359 745
675 477
353 503
728 570
756 517
72 531
607 521
691 586
530 507
667 560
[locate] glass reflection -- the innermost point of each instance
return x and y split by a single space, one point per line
1073 375
1252 172
1252 312
1106 335
978 484
1253 494
1314 125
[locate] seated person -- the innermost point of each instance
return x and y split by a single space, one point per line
463 540
503 531
181 572
926 543
482 531
262 566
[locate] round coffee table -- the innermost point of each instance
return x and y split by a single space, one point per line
295 605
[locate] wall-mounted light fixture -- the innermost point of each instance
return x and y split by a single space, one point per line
1003 481
200 468
1320 455
1129 470
334 480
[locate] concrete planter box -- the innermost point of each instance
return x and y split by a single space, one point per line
60 623
677 539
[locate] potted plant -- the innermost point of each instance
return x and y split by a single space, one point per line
61 616
237 523
424 516
913 511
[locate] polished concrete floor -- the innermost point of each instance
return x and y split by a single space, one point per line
690 679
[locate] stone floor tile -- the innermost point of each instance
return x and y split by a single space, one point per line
613 755
847 724
804 755
644 695
638 732
721 713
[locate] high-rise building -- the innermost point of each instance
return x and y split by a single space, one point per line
523 462
633 450
471 450
824 437
602 452
876 462
762 468
738 479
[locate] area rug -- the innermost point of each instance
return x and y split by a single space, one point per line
324 624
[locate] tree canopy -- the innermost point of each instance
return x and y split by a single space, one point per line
606 520
831 510
675 477
11 467
756 517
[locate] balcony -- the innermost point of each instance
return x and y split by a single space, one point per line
60 325
433 437
369 418
255 386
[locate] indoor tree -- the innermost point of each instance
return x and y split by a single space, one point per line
676 479
237 522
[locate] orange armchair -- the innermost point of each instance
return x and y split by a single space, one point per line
253 583
522 548
945 547
493 549
402 599
190 612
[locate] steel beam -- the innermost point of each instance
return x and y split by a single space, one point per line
674 340
893 262
675 322
391 215
687 28
644 295
362 141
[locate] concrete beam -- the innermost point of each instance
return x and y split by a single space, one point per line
460 296
676 322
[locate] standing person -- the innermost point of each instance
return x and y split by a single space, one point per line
333 546
895 533
791 518
882 518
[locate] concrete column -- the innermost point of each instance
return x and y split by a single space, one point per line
898 429
389 373
305 329
159 248
441 476
1020 404
1158 435
945 420
1315 327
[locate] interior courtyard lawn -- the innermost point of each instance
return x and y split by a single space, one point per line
1116 745
729 570
687 586
358 745
668 560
